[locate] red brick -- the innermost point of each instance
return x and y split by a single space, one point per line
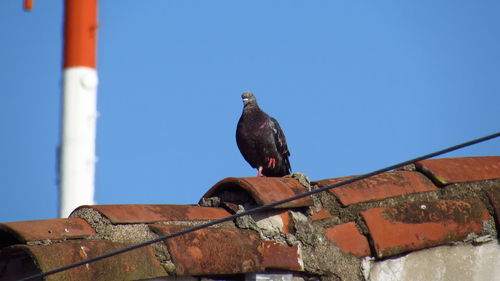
379 187
58 229
454 170
347 237
213 250
138 264
320 215
287 221
412 226
494 196
155 213
263 190
279 256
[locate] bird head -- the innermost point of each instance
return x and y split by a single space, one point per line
248 98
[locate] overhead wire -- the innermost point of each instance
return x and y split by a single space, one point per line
263 207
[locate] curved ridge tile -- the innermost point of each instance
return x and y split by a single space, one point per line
379 187
416 225
144 213
137 265
53 229
463 169
263 190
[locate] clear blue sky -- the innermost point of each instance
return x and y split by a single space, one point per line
355 85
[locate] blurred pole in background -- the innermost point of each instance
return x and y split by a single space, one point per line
79 106
28 5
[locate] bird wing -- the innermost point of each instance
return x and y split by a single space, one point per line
280 141
279 138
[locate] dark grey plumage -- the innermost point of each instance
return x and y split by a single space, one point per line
261 140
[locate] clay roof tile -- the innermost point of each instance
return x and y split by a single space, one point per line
416 225
226 251
144 213
53 229
379 187
386 215
136 265
262 190
464 169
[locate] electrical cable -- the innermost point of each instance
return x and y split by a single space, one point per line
263 207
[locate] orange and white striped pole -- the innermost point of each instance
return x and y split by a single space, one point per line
28 5
79 106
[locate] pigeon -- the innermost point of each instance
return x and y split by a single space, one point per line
261 140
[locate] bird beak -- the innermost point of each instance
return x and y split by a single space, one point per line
245 99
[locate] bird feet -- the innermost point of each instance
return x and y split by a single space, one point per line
271 163
259 174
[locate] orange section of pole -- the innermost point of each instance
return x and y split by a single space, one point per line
28 5
80 32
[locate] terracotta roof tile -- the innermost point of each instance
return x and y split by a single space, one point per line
347 237
411 226
453 170
17 263
287 221
202 253
279 256
156 213
263 190
138 264
288 238
379 187
54 229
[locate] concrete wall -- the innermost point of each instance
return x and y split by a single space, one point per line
446 263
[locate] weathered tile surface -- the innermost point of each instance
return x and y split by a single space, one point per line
155 213
279 256
57 229
412 226
347 237
135 265
213 250
455 170
264 190
379 187
232 249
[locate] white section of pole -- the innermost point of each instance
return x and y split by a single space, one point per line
77 159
